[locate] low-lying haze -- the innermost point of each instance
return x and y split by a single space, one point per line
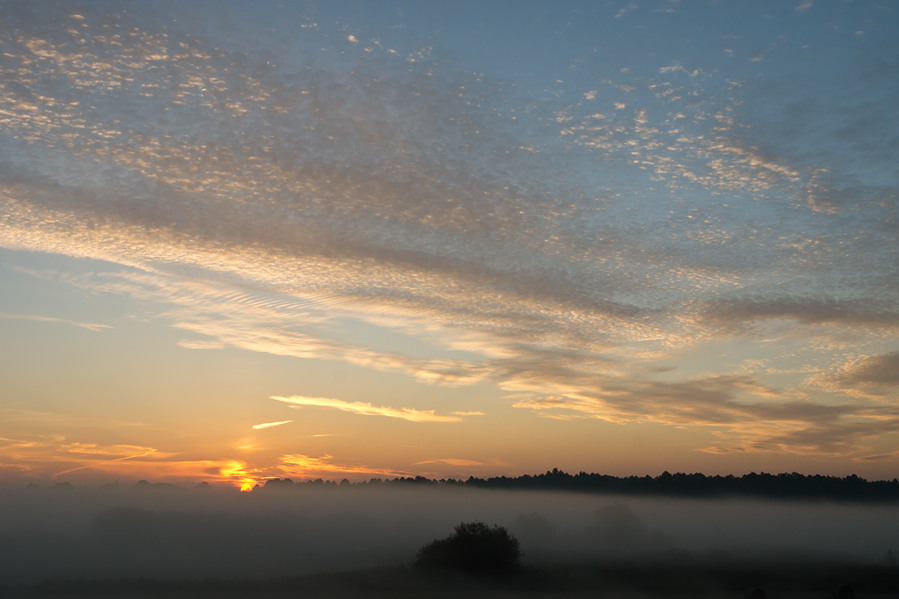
169 533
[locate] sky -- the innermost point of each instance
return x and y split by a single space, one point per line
450 239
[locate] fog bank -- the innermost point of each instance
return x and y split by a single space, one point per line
157 531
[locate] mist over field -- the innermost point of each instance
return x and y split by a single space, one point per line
167 533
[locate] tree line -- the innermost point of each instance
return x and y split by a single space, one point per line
762 485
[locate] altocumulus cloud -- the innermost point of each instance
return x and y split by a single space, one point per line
573 243
868 376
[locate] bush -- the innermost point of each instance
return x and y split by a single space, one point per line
474 547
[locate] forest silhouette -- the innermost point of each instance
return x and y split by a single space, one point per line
761 486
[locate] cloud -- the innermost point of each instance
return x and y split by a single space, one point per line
270 424
867 376
366 409
625 9
577 383
719 403
188 344
54 457
107 450
234 472
829 196
679 68
93 450
300 466
262 193
472 413
805 310
451 462
53 450
84 325
880 457
882 370
670 7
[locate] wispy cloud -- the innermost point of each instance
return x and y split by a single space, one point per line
451 462
94 450
367 409
299 465
192 344
768 423
84 325
625 9
879 457
51 457
270 424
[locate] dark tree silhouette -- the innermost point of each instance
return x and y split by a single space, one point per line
474 547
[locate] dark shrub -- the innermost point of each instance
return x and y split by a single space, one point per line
474 547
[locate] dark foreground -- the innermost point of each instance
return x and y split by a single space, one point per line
661 576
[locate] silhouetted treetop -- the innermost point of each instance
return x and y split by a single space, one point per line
474 547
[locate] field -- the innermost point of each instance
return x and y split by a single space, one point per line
665 575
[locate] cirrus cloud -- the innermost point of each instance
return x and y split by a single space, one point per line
367 409
265 425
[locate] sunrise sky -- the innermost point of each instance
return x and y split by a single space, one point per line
375 239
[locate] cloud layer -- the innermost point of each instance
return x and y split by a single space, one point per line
573 239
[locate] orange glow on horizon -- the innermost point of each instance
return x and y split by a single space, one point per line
236 472
303 466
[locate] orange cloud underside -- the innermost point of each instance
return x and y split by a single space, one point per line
303 466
